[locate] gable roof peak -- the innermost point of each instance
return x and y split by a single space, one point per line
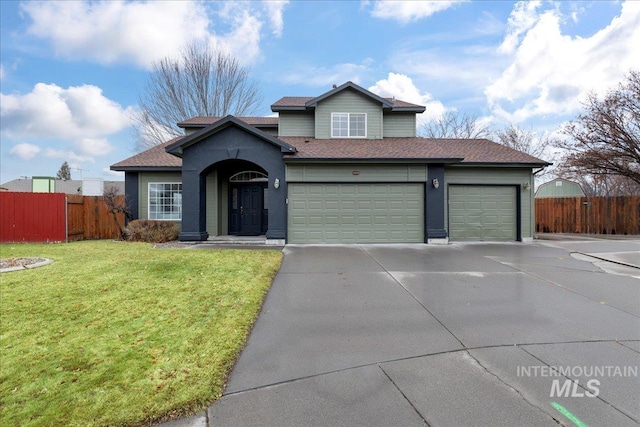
308 103
349 85
177 147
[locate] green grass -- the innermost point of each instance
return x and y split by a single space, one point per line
116 333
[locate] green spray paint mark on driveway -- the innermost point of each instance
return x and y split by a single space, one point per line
564 411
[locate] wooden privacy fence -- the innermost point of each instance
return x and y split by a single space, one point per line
55 217
588 215
89 219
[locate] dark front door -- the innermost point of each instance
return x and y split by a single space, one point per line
246 209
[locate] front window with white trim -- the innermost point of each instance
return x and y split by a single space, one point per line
165 201
348 125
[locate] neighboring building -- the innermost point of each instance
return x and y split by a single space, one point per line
39 184
343 167
43 184
559 188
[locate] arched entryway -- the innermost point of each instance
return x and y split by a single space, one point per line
248 195
210 158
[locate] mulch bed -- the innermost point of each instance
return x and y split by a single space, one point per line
19 262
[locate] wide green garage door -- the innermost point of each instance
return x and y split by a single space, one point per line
482 212
356 213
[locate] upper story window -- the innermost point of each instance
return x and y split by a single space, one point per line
349 125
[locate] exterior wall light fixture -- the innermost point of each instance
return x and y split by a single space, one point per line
435 183
276 183
526 186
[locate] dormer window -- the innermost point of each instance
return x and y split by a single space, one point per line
348 125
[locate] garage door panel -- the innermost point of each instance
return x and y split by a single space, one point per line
356 213
315 204
478 212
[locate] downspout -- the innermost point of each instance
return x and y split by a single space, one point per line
533 201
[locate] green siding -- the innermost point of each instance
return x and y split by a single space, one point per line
356 213
40 184
399 125
559 188
296 124
482 213
143 190
498 176
356 173
348 101
223 225
212 204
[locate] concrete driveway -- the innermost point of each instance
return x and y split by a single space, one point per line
456 335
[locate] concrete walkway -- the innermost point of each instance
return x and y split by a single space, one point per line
455 335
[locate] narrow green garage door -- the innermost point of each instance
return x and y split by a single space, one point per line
479 212
356 213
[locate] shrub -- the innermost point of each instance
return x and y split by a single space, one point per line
145 230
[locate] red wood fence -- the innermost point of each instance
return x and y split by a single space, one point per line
589 215
32 217
54 217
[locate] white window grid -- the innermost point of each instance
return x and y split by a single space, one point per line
165 201
348 125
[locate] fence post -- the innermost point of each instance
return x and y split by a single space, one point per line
66 219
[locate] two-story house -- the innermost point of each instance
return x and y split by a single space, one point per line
343 167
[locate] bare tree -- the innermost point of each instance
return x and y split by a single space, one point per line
605 138
199 82
456 125
601 185
523 140
116 203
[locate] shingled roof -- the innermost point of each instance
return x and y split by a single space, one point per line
154 158
301 101
466 150
205 121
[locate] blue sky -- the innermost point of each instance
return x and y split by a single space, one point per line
71 71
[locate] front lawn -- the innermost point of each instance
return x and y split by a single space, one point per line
116 333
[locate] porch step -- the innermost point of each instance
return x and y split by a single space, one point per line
237 240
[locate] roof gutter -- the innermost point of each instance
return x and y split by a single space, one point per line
444 160
505 164
145 168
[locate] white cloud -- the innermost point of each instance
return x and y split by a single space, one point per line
274 9
141 32
25 151
94 146
67 155
114 174
114 31
402 87
327 76
522 18
551 72
54 112
243 41
408 11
